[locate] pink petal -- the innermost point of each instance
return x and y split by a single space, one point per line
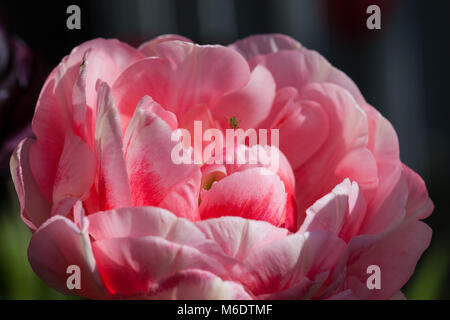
142 222
251 104
148 48
281 264
252 194
264 44
132 266
54 110
344 295
147 103
257 156
418 205
395 252
387 207
106 60
341 152
197 285
183 76
113 186
341 212
304 127
300 67
238 237
34 207
58 244
383 141
76 171
155 180
51 123
398 296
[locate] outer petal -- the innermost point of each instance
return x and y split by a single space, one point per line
53 115
238 237
75 174
253 194
264 44
299 67
198 285
141 222
387 208
155 180
344 295
395 252
34 207
148 48
107 59
56 245
342 152
132 266
419 205
283 263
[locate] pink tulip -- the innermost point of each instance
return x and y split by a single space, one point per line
99 190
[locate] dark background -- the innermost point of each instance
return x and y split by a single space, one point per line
402 69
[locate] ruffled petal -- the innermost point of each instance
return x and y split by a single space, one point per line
197 285
249 105
419 205
264 44
396 253
34 207
341 153
112 177
148 48
155 179
58 244
182 76
252 194
76 158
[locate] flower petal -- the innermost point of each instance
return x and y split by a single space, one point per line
264 44
238 237
58 244
34 207
197 285
113 186
155 180
279 265
142 222
76 158
54 110
132 266
148 48
249 105
340 212
184 75
341 152
300 67
304 127
252 194
419 205
395 252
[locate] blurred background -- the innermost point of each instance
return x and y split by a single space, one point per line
402 69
